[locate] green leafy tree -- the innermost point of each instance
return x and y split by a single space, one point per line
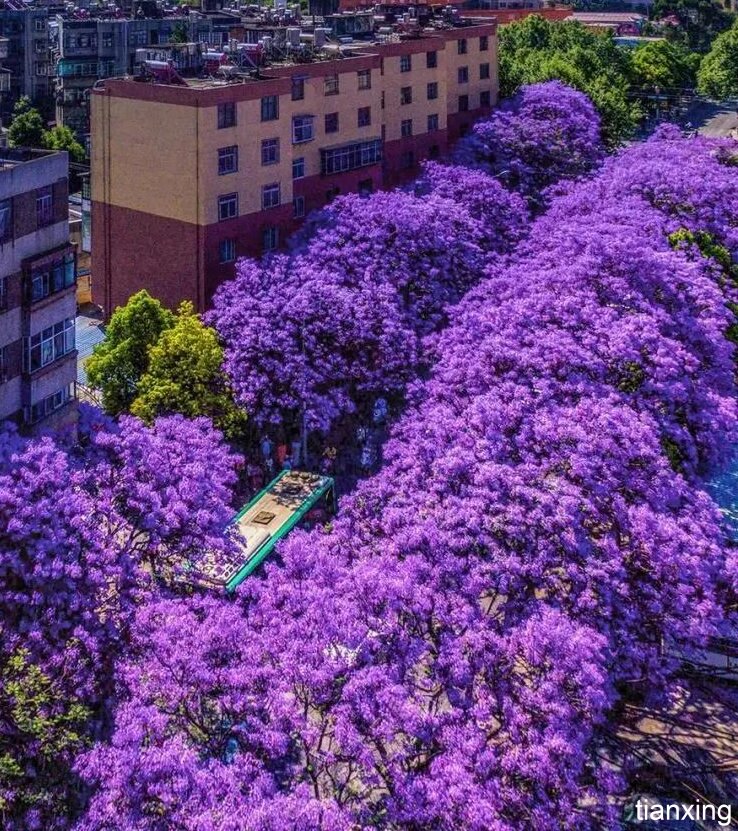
185 376
118 363
180 33
534 50
39 723
700 21
62 138
27 127
718 74
662 64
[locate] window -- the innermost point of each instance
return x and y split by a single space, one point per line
270 151
47 346
227 250
405 63
227 206
431 60
406 95
298 168
270 238
48 405
365 79
435 151
461 46
3 292
298 88
484 71
485 99
56 276
432 122
432 91
407 159
270 196
302 129
364 118
484 43
227 160
39 25
298 206
107 40
269 108
463 103
331 122
3 362
6 220
406 127
463 74
226 115
350 156
366 186
44 206
331 85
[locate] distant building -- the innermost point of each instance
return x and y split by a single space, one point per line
90 49
25 58
191 174
37 290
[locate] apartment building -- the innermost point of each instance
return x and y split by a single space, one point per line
25 58
188 176
88 49
37 290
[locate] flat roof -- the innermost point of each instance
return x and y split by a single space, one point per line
261 523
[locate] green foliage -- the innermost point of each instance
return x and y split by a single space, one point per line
662 64
118 363
701 21
27 127
180 34
718 74
185 376
534 50
62 138
41 724
705 243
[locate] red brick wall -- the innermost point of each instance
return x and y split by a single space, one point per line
134 250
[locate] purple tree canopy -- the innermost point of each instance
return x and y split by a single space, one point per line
544 133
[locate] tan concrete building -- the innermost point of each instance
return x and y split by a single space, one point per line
188 177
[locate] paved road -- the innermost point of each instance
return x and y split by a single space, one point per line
716 120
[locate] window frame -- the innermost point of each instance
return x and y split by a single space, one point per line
227 115
331 84
229 245
269 108
305 121
270 152
331 123
224 199
45 206
228 153
268 199
300 164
